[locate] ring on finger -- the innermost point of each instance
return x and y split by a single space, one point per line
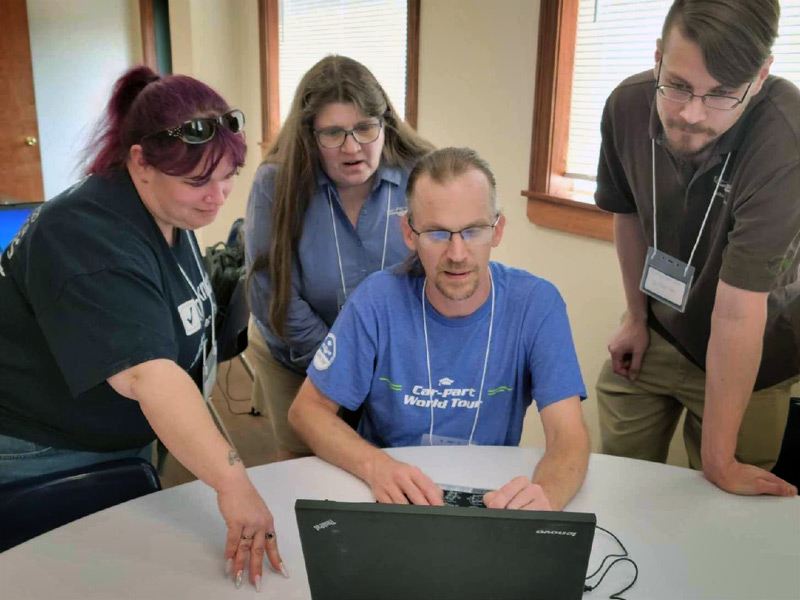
247 537
270 535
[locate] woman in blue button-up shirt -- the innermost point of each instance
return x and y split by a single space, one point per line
322 215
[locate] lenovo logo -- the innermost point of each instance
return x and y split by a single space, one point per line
553 532
324 524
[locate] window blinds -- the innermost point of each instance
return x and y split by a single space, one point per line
615 39
372 32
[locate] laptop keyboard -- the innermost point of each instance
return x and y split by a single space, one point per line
462 496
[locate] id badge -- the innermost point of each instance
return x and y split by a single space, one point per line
442 440
209 372
666 279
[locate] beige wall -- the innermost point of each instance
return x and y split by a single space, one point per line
216 41
78 49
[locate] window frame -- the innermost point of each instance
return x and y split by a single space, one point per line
268 67
548 195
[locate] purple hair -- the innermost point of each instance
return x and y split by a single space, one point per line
141 104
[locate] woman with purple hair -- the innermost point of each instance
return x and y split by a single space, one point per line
106 313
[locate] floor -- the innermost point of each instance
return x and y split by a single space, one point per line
250 433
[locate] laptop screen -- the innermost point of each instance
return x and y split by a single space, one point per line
12 216
375 551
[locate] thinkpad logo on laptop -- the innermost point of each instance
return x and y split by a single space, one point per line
553 532
324 524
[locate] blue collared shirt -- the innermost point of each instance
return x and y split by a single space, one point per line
317 293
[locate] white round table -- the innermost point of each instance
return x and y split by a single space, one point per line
689 539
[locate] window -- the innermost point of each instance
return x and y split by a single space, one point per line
381 34
586 47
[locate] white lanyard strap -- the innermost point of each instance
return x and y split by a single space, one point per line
485 360
336 239
705 218
386 229
197 294
336 236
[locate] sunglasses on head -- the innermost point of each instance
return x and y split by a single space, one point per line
202 129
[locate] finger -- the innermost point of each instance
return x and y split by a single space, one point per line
503 496
413 493
770 484
231 544
771 488
540 503
432 492
256 558
396 495
242 553
274 555
636 365
619 363
525 496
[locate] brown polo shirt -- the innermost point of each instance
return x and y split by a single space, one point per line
752 238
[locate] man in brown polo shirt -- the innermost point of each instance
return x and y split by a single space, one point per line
700 165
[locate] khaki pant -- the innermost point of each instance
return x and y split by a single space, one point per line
274 389
638 418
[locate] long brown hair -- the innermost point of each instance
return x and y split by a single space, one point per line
333 79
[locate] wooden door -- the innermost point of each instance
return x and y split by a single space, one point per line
20 160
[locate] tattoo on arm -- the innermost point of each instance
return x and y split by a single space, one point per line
233 457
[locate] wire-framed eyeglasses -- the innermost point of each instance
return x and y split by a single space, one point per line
715 101
202 129
335 137
473 235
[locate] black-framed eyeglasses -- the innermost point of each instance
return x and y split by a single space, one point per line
202 129
473 235
715 101
335 137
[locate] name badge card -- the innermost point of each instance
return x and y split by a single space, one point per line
666 279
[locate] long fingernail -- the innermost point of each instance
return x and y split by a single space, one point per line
239 579
284 571
228 566
258 583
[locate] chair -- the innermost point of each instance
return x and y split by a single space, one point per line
788 465
31 507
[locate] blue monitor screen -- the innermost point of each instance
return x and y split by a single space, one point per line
11 219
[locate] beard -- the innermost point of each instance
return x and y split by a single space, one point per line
456 290
681 147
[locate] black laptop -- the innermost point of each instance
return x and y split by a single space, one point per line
369 551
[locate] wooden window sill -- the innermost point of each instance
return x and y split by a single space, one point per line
571 216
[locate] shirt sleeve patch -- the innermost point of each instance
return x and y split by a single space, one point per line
326 353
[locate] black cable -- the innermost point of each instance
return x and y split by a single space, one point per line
618 558
228 399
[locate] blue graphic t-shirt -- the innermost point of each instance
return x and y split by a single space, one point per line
375 355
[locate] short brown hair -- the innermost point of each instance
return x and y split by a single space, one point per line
441 166
735 36
446 163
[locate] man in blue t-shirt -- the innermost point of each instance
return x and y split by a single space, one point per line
448 348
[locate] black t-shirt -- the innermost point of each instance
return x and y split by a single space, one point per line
90 288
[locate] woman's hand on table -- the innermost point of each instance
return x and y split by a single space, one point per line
251 532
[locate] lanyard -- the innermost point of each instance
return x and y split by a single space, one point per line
336 236
199 297
485 359
708 210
